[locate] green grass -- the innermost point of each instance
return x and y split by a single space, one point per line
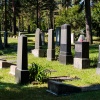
9 90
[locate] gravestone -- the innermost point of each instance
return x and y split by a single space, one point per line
12 69
65 56
51 45
81 38
4 64
42 38
58 35
21 72
59 88
81 59
38 51
72 38
98 65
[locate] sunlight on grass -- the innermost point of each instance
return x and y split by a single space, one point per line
86 77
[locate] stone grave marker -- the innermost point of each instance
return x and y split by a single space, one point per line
72 38
81 38
65 56
12 69
98 65
51 45
81 59
42 38
38 51
21 72
58 35
59 88
4 64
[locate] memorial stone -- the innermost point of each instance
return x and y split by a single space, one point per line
65 56
38 51
81 38
51 45
21 72
42 38
58 35
72 38
81 59
98 65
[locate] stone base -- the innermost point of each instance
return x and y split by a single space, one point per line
12 69
66 59
38 52
59 88
98 68
81 63
4 64
50 54
21 76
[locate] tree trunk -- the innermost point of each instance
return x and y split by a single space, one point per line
14 18
37 14
5 23
88 21
51 20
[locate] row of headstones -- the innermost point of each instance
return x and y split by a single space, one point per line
81 59
81 50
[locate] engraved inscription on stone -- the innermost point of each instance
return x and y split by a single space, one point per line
78 48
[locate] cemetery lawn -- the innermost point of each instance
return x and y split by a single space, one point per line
9 90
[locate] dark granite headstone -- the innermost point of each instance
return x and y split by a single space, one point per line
81 59
82 49
98 65
21 72
58 35
65 56
51 45
42 38
38 51
59 88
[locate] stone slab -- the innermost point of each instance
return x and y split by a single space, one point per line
65 59
81 63
59 88
50 54
12 69
4 64
82 49
38 52
21 76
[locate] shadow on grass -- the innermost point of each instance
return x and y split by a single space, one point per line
9 91
13 48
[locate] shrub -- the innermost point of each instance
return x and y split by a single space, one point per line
1 52
37 73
